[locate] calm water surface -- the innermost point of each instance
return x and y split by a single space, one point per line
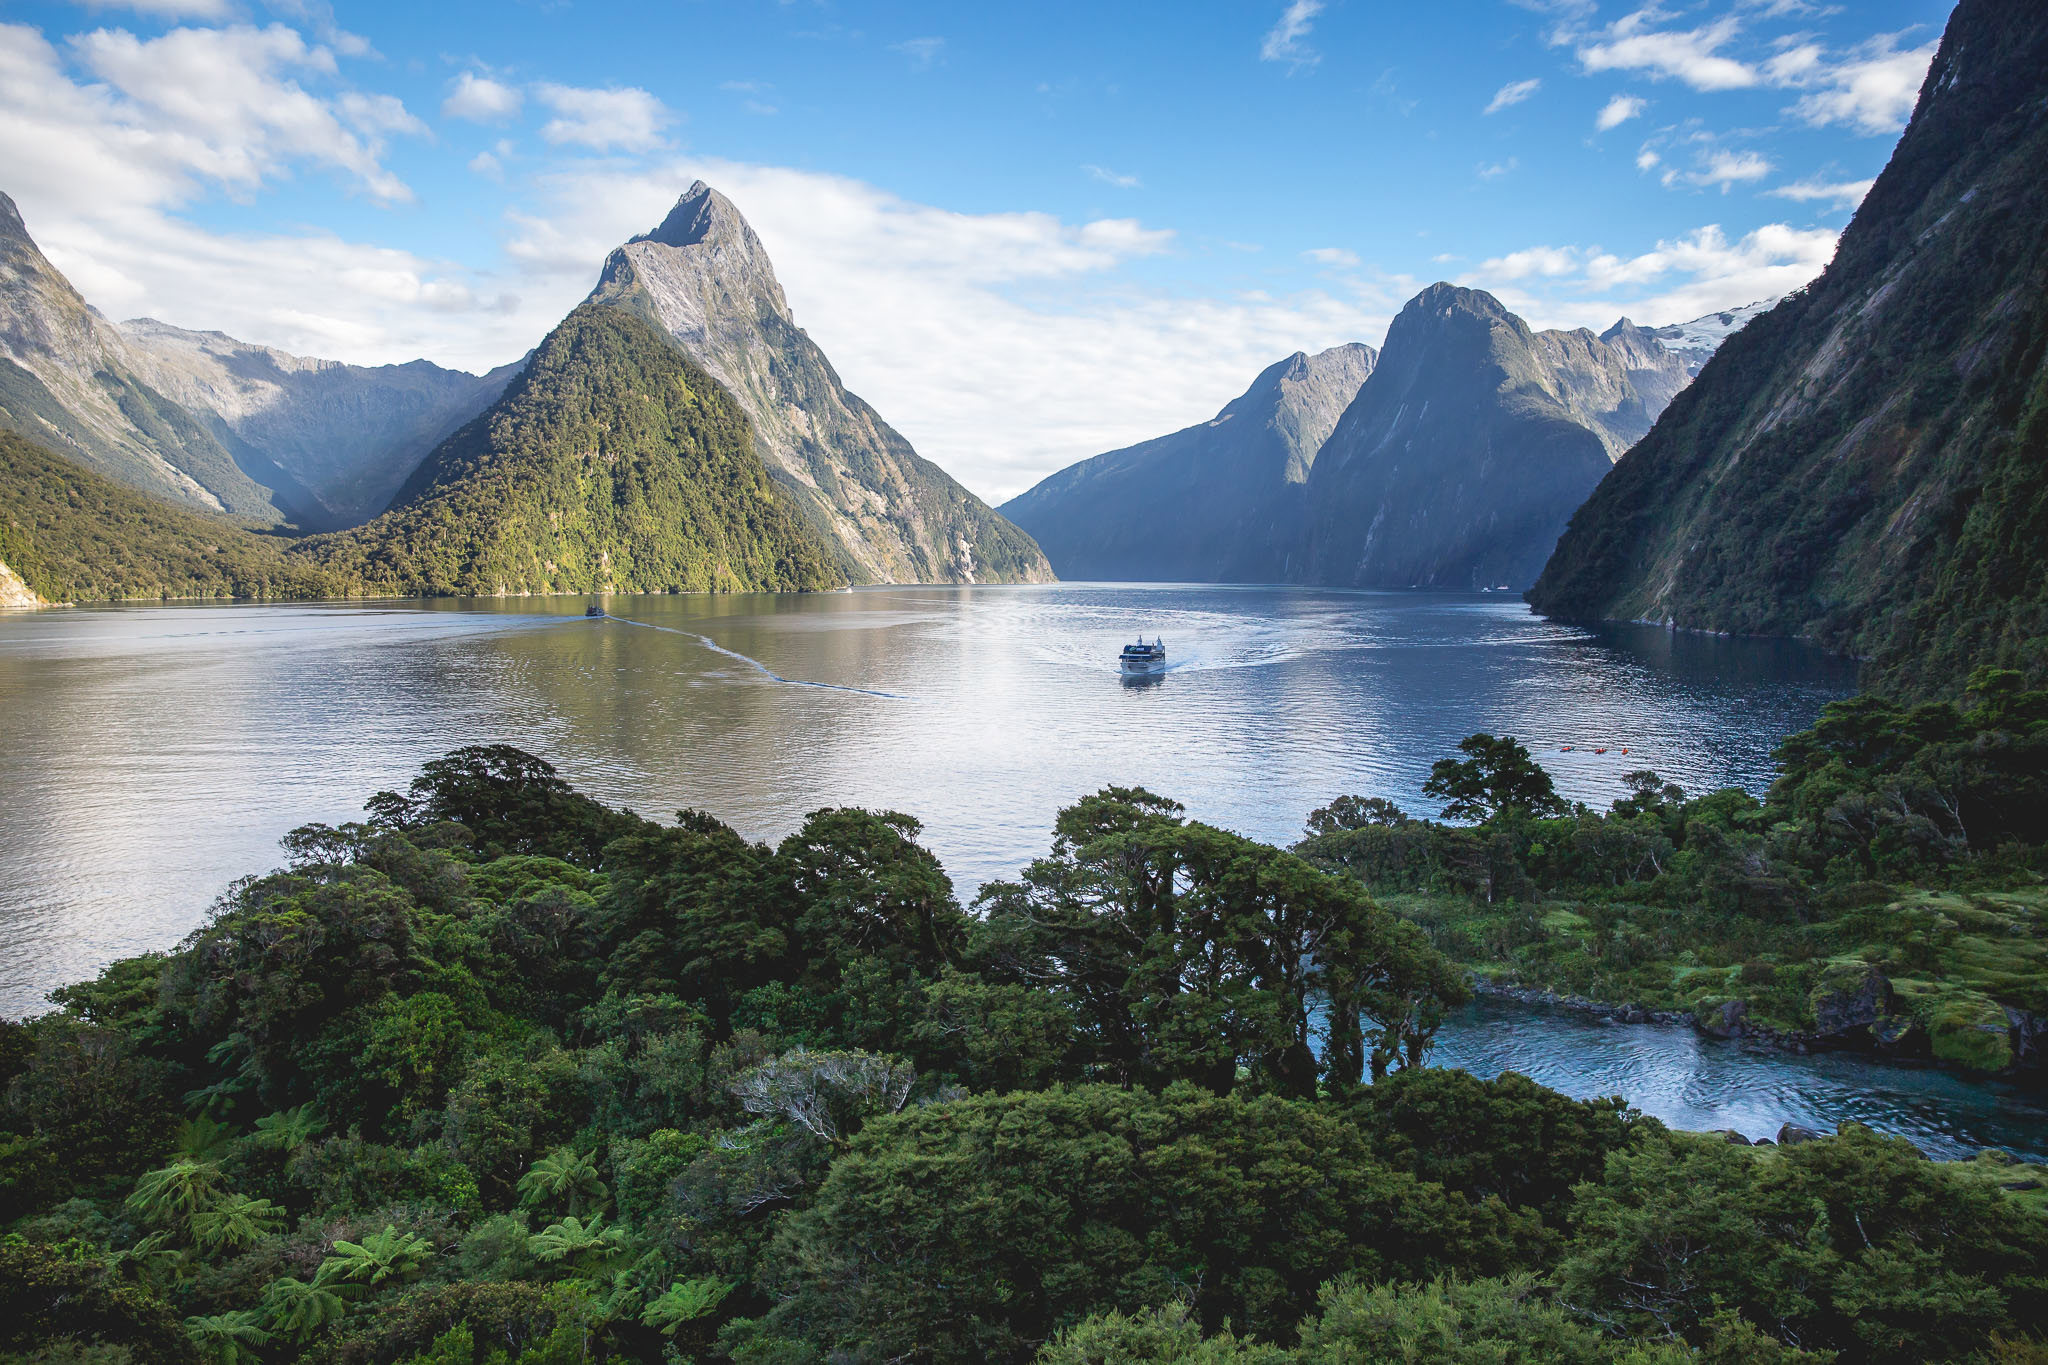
148 756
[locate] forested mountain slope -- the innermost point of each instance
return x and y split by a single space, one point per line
75 536
611 463
1864 463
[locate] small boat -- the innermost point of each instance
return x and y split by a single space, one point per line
593 610
1142 660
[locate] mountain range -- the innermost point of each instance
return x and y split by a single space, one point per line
757 468
1864 463
1452 458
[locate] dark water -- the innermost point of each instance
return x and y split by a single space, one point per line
150 755
1708 1084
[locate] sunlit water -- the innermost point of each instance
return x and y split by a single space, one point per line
148 756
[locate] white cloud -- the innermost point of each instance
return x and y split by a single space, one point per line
1513 93
1689 55
1646 158
1872 91
626 119
1548 261
1494 170
1618 111
1845 194
1680 279
487 165
1283 42
924 53
1109 177
1728 169
167 9
1870 88
1332 256
195 107
481 99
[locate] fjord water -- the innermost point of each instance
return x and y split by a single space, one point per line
148 756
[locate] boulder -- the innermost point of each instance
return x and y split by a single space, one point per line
1727 1019
1792 1134
1848 998
1735 1139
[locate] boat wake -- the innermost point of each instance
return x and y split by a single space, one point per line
756 664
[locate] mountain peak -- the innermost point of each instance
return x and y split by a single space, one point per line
10 219
701 215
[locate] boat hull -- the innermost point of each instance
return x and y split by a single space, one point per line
1141 668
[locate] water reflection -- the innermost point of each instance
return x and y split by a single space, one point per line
149 756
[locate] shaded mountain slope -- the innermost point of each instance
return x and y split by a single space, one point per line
610 463
892 516
1466 450
1864 464
1218 502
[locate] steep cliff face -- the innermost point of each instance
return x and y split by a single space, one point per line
15 594
70 380
1219 502
333 441
1466 449
892 516
1865 463
611 463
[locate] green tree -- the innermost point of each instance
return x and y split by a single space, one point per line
1497 775
233 1222
685 1301
229 1338
564 1177
381 1256
301 1310
974 1229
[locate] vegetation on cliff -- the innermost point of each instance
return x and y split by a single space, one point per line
75 536
1887 893
1863 463
504 1075
611 463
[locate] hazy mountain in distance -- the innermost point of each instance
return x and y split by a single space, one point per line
1221 501
348 435
70 381
892 516
1467 448
1865 463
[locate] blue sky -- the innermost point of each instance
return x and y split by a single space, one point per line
1027 232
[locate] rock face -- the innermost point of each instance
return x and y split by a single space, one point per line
1223 501
333 442
705 279
15 594
1863 464
70 380
1470 445
209 421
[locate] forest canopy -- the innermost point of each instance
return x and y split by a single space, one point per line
501 1074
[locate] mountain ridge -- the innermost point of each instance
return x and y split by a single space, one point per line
1861 465
705 279
1219 501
